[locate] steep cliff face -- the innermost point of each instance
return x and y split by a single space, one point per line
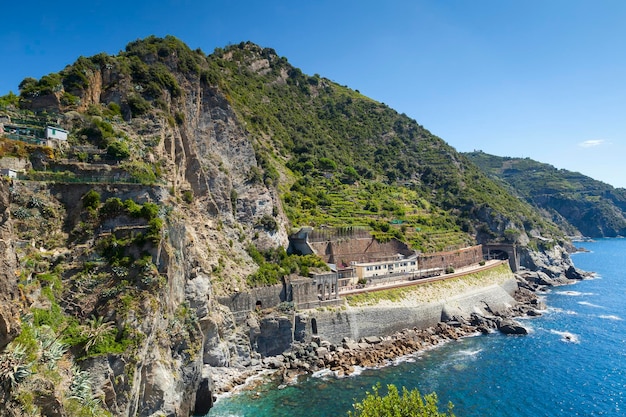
220 151
154 293
9 312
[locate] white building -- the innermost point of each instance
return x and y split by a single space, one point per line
56 133
8 172
399 265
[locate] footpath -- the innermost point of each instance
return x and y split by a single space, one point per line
407 280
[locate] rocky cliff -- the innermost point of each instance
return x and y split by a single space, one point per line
180 181
9 300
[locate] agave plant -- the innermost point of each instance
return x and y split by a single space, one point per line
80 387
52 350
13 367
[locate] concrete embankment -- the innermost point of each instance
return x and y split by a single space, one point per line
389 311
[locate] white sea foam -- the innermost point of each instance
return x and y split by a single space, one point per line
566 336
470 353
588 304
321 374
574 293
611 317
358 370
558 310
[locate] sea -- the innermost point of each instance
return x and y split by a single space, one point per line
572 363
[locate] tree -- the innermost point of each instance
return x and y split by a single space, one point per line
409 404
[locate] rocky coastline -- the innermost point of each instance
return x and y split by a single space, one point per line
344 358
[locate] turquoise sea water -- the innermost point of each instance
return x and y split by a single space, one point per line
573 363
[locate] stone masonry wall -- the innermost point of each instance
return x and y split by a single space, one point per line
455 259
358 250
357 322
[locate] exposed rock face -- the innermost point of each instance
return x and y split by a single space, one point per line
508 326
9 313
550 267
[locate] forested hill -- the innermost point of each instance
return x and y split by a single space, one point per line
338 158
574 200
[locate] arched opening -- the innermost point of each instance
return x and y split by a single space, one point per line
314 326
259 305
501 255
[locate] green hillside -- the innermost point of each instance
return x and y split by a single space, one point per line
594 208
346 159
337 157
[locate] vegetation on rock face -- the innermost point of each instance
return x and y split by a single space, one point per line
406 404
99 259
337 157
592 207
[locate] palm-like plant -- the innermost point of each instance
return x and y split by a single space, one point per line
96 331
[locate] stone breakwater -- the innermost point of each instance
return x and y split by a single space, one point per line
343 358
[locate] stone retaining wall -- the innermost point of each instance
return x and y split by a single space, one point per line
357 322
263 297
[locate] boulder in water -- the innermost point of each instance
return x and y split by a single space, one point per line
511 327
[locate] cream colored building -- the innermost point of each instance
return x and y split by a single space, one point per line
398 265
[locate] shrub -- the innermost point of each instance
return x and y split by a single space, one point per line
91 200
409 404
133 208
118 149
138 105
112 206
268 223
149 211
188 196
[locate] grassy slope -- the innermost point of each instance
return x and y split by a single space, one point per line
349 160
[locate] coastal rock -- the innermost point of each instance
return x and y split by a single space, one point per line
573 273
204 397
507 326
9 314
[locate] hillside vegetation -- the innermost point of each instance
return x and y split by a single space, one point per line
577 202
338 158
181 178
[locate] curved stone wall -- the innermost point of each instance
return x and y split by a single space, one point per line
357 322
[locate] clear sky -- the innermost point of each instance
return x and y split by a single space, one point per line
535 78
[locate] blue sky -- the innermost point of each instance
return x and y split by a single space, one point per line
536 78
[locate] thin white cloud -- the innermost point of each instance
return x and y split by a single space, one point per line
592 143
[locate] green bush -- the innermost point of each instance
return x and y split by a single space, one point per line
138 105
134 209
118 149
112 207
188 196
149 210
91 200
409 404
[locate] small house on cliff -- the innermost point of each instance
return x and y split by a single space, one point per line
56 133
